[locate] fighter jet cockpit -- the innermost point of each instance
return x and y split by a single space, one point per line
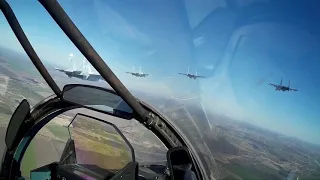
159 90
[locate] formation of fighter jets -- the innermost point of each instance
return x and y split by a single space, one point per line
87 74
280 87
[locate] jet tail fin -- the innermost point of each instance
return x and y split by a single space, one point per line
281 82
89 68
84 63
71 61
289 84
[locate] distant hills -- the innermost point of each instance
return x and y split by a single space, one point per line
16 56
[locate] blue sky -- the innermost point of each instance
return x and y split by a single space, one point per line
241 49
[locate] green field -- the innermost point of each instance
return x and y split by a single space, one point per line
4 109
26 67
5 118
251 173
110 150
310 177
18 62
245 173
28 161
59 131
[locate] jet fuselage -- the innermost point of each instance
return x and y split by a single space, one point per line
77 74
282 88
192 76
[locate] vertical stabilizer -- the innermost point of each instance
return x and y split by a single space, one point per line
88 67
140 70
281 82
84 65
289 84
188 69
73 66
196 72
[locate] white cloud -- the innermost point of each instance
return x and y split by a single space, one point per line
198 41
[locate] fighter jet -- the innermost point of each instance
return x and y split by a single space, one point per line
88 74
70 72
280 87
137 74
85 74
192 76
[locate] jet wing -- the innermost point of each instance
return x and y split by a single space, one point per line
293 89
183 74
144 75
129 72
200 77
61 70
272 85
94 77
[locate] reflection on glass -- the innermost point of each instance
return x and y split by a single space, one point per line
98 143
